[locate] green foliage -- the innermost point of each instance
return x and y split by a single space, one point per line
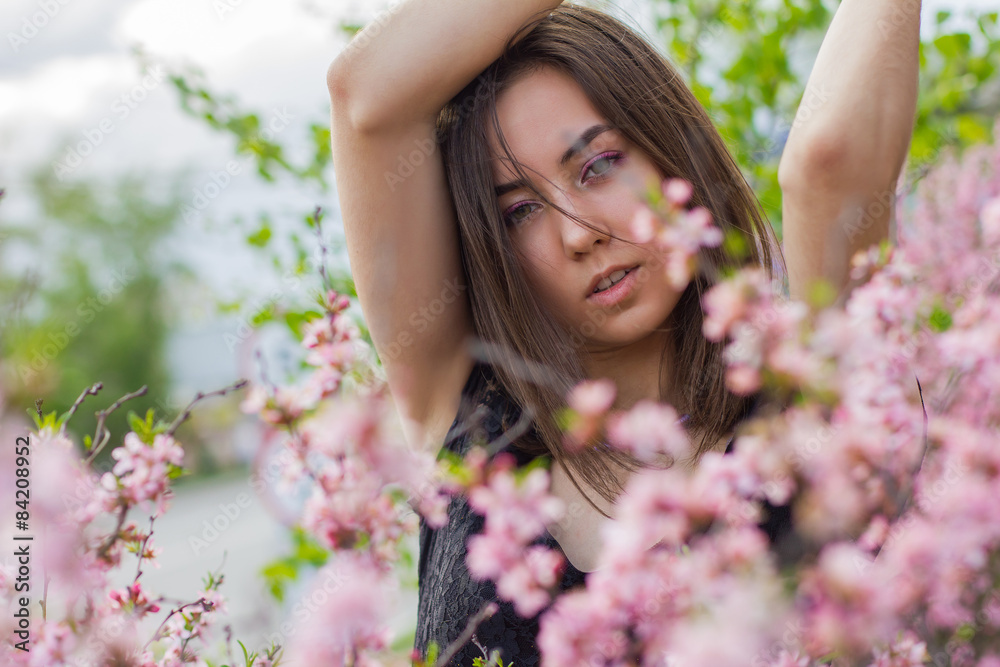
959 88
738 58
97 299
145 428
939 319
254 132
306 553
262 236
273 653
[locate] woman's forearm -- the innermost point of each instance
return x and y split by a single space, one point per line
414 57
849 141
860 103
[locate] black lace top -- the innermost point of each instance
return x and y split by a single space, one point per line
448 596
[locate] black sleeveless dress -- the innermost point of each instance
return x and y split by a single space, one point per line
448 597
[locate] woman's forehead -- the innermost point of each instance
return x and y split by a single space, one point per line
541 115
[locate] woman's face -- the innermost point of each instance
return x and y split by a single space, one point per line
557 136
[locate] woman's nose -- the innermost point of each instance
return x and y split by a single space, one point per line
577 237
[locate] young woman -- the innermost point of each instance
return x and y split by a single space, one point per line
489 159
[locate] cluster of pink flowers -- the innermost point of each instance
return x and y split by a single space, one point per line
81 531
517 512
334 344
896 526
141 471
686 232
364 482
895 537
349 625
883 447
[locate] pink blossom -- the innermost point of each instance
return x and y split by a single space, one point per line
678 191
141 472
648 430
589 400
516 513
350 616
592 398
643 225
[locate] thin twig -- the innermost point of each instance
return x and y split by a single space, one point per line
263 371
199 396
229 642
45 578
102 553
318 217
92 391
906 495
142 548
201 601
102 415
45 596
488 610
513 433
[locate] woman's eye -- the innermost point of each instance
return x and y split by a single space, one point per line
519 212
600 166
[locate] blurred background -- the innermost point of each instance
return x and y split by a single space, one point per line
162 162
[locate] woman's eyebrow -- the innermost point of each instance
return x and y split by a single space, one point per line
588 135
519 184
581 143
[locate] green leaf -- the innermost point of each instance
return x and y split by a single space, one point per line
306 553
940 319
734 244
295 320
965 633
972 129
260 238
954 45
175 471
134 422
822 294
565 417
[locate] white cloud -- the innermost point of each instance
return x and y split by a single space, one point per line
63 89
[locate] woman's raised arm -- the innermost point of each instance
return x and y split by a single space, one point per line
386 90
849 141
417 55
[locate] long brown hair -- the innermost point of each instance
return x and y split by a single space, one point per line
642 96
